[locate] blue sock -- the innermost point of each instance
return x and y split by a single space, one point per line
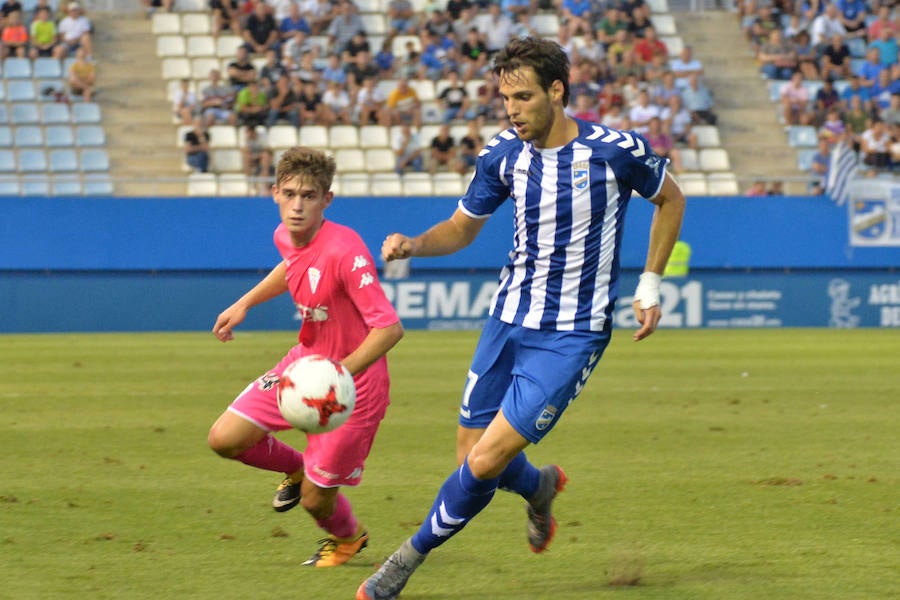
520 477
460 498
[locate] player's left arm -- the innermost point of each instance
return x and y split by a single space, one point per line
375 345
664 231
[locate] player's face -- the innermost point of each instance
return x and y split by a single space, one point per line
531 109
302 207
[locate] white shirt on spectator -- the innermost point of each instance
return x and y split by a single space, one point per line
71 29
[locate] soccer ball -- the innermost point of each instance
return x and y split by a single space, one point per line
316 394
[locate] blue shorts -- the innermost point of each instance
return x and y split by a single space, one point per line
533 375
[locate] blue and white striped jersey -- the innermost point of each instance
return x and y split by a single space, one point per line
569 214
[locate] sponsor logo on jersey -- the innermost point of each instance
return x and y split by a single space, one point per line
359 262
307 313
366 279
268 381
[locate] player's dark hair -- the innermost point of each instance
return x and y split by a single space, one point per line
307 164
546 57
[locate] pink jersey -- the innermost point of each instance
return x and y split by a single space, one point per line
334 285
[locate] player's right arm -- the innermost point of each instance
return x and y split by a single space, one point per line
446 237
274 284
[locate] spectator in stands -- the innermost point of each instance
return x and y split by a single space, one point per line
306 69
14 38
665 89
312 110
795 101
251 106
807 57
638 23
401 18
610 25
522 26
826 99
474 54
496 30
649 46
857 120
575 15
591 49
296 46
677 121
358 44
293 22
283 104
361 68
833 127
777 57
443 150
403 105
875 145
241 71
384 59
882 91
184 103
615 118
698 100
7 8
216 100
819 166
225 16
261 31
344 26
333 70
454 98
662 143
585 108
437 22
868 71
44 37
75 30
891 114
272 70
319 14
881 22
836 58
776 188
82 76
337 99
853 16
469 147
684 65
455 8
407 150
256 157
196 146
887 47
370 104
756 189
825 26
517 8
854 88
642 112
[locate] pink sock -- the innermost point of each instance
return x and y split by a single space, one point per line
341 523
272 454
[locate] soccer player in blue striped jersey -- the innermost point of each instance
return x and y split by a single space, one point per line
551 317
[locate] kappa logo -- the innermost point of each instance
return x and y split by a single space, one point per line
314 276
546 418
359 262
366 279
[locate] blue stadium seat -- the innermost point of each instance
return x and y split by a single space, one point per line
5 136
802 136
94 160
32 161
90 135
28 136
805 159
86 113
46 67
16 68
66 185
59 136
97 184
48 88
63 161
7 161
24 113
55 113
20 91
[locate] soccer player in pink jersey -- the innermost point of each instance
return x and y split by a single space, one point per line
331 277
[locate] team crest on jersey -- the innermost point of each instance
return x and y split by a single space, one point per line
546 418
580 179
314 276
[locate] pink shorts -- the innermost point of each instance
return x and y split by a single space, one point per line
331 459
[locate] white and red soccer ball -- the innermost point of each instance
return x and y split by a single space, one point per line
316 394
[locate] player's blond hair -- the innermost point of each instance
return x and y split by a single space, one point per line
308 164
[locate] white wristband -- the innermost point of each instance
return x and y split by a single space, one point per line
647 292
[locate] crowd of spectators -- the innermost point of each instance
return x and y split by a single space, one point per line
622 73
850 49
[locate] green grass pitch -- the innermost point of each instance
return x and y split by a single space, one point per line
703 465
